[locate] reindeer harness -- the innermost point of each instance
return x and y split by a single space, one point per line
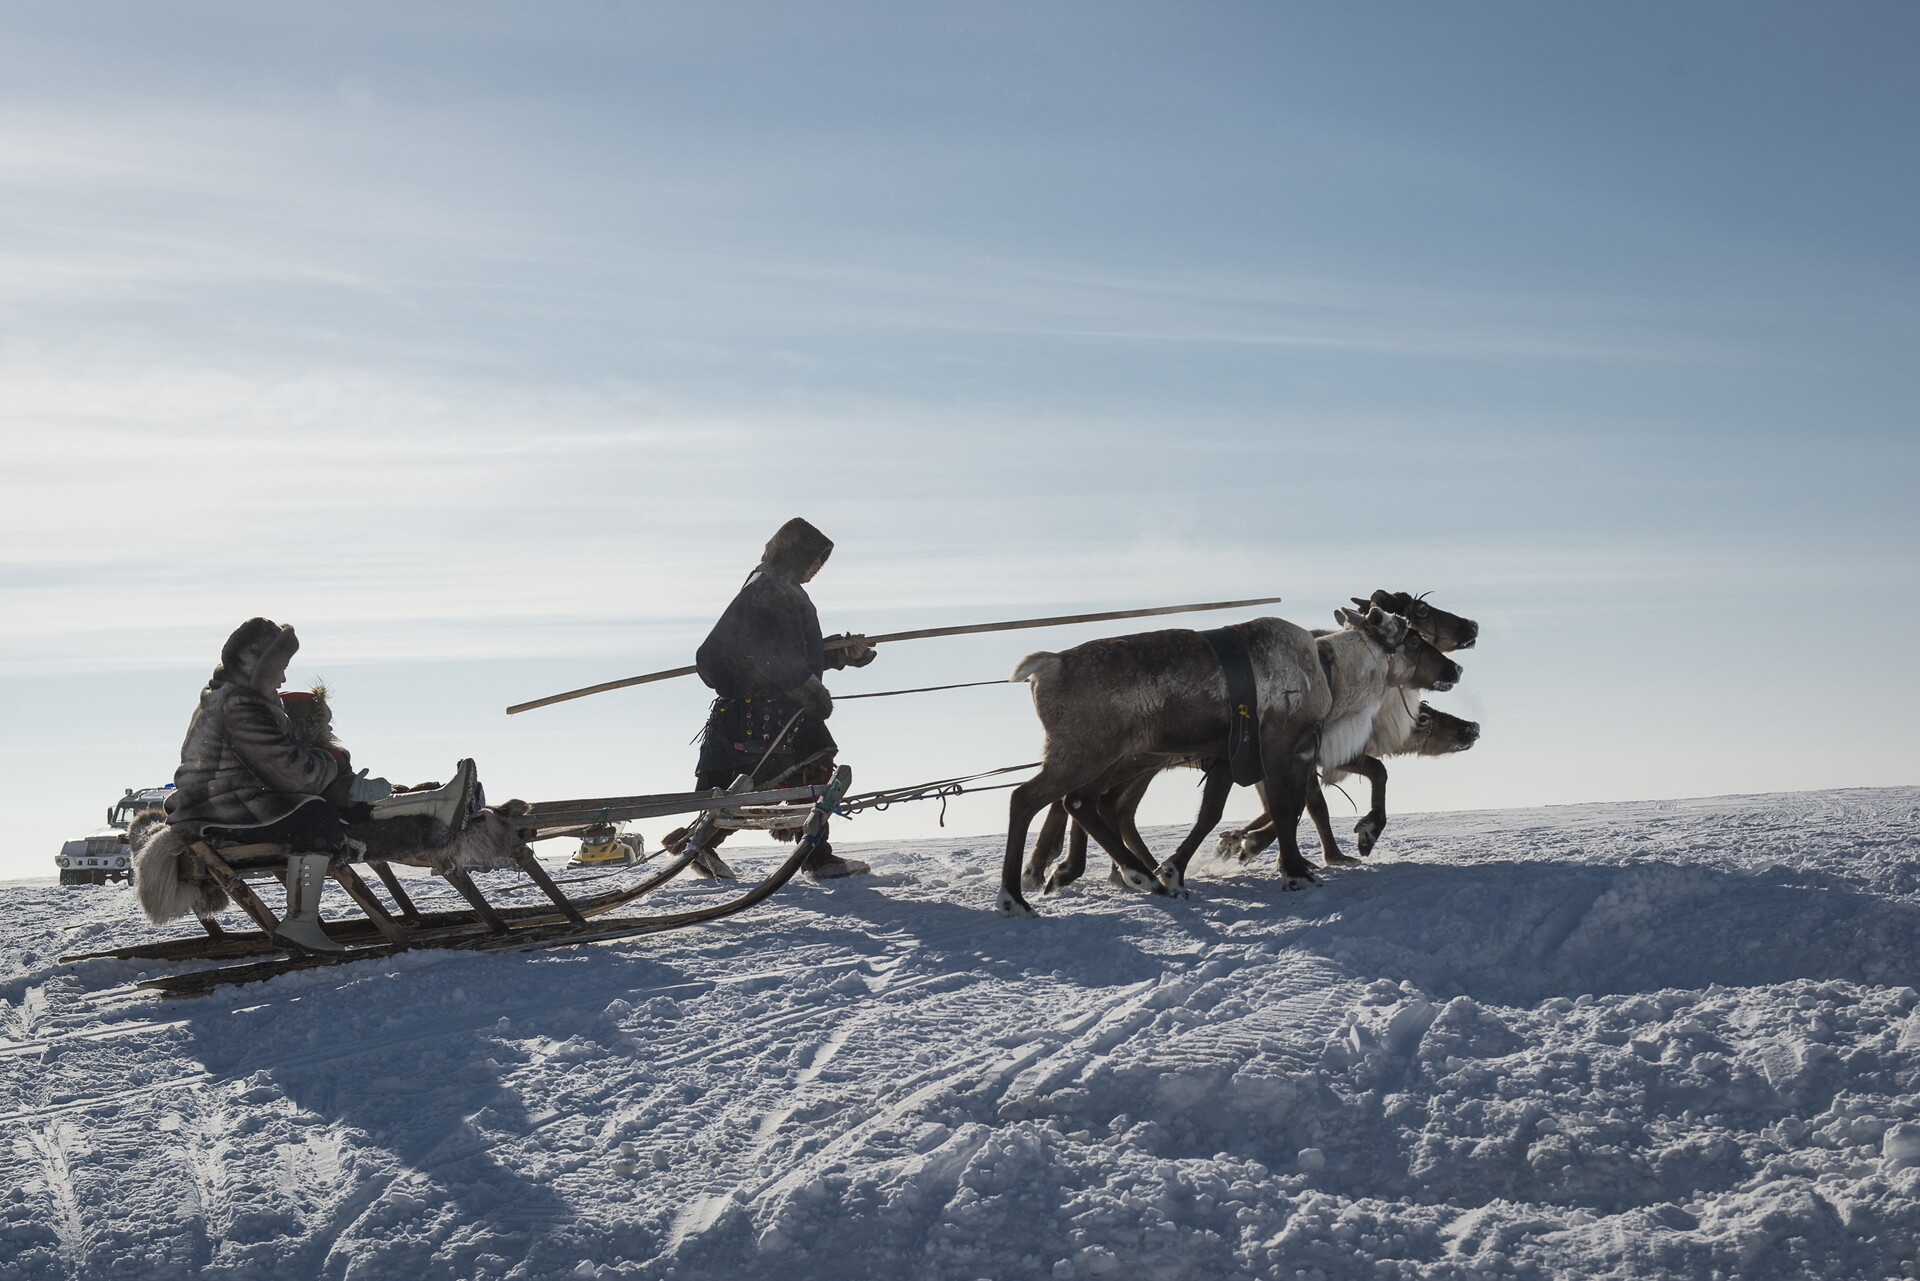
1243 706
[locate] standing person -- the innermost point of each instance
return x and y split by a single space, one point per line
763 660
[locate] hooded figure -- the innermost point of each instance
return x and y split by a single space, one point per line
242 775
764 660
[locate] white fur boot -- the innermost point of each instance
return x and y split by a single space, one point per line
448 804
306 877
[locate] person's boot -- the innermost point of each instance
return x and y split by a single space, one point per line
825 865
706 864
710 866
300 927
449 805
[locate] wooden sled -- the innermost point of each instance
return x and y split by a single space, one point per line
383 931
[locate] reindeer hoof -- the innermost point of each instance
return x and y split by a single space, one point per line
1012 905
1140 882
1173 884
1337 859
1366 832
1292 883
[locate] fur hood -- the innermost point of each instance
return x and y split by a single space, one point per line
793 549
250 647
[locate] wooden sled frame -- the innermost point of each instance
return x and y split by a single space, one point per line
382 931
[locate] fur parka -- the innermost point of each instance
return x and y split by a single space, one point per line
768 641
239 764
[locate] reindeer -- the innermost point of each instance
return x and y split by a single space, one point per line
1435 733
1444 630
1432 733
1118 708
1392 731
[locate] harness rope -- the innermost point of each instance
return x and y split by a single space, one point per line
943 789
770 817
924 689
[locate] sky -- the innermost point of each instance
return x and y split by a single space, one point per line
488 343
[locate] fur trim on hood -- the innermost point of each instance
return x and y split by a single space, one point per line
794 547
249 648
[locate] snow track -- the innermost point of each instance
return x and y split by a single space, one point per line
1668 1039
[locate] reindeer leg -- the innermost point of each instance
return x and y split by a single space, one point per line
1317 811
1074 865
1213 801
1118 807
1374 821
1288 775
1046 847
1244 843
1026 801
1137 873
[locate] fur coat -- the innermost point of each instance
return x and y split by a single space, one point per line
768 641
239 764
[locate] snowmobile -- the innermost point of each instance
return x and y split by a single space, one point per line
604 845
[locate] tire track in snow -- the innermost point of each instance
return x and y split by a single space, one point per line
50 1148
979 1071
1302 1022
479 1020
111 1032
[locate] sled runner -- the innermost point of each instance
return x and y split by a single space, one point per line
384 930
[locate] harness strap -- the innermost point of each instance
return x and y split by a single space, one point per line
1243 705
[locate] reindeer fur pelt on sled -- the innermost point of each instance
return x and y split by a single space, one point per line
164 894
488 843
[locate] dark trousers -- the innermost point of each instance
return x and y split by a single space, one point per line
315 827
740 738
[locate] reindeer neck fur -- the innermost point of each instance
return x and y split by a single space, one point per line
1361 687
1393 724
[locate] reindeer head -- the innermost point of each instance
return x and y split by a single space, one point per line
1436 733
1446 632
1426 666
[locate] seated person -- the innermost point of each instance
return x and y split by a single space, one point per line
244 778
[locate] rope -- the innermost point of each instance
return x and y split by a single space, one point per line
943 789
924 689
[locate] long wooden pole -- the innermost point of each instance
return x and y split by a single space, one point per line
924 633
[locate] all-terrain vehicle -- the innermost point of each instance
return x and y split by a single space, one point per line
102 856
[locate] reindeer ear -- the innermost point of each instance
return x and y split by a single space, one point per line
1358 601
1381 596
1346 618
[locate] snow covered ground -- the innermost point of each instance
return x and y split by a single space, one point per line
1672 1039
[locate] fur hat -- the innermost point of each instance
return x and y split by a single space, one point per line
794 547
311 716
252 643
